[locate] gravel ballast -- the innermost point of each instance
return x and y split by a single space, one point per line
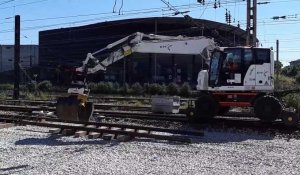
32 150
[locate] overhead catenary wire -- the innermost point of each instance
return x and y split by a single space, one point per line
81 21
108 17
184 6
150 10
157 8
114 8
232 3
208 4
23 4
82 15
121 7
73 22
6 2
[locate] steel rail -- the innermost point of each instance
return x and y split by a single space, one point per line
107 113
102 106
96 105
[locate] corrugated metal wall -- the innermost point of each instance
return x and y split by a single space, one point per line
29 57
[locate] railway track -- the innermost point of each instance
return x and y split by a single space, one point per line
221 124
96 105
96 98
230 120
234 119
106 113
99 129
105 99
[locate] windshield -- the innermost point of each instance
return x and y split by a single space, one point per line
233 59
214 68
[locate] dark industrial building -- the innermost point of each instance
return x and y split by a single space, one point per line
61 49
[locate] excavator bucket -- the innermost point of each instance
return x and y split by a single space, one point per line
71 108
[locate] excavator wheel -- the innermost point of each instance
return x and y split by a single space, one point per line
206 106
267 108
290 118
190 114
71 108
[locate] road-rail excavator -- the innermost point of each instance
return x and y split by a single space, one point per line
237 77
76 106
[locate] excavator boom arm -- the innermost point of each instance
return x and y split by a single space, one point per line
142 43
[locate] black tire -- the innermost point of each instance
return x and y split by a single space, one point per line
290 118
206 106
267 108
190 114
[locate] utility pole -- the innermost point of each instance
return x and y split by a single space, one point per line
17 58
251 22
124 75
277 59
155 55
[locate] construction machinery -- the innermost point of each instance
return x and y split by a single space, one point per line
76 105
237 77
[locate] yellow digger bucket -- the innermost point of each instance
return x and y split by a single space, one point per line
74 109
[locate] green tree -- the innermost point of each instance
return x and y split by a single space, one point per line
137 89
290 71
185 90
293 71
172 89
278 65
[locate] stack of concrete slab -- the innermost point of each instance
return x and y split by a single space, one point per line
165 104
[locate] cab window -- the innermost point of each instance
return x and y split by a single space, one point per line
262 56
248 58
214 68
233 60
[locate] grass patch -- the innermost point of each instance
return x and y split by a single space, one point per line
36 96
292 100
6 86
284 82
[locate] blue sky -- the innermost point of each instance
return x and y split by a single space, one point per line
38 15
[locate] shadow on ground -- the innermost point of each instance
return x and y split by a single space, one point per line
55 140
211 136
15 169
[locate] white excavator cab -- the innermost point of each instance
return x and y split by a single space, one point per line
239 69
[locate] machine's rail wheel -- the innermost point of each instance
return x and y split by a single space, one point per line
206 106
290 118
267 108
